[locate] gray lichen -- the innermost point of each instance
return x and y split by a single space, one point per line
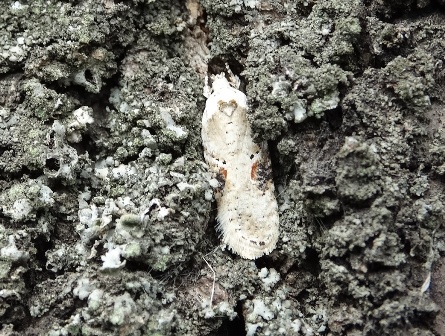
135 202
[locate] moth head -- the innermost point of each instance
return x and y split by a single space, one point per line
220 82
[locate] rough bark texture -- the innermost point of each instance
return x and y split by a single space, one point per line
107 214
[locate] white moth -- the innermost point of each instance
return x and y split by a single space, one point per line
247 209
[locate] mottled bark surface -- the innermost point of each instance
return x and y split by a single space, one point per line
107 212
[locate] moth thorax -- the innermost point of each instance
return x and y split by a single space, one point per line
228 107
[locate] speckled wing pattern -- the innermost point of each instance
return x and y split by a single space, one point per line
247 208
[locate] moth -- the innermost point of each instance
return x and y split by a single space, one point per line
247 217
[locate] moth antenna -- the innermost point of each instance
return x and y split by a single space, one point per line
234 79
207 90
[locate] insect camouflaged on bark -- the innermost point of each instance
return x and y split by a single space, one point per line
247 209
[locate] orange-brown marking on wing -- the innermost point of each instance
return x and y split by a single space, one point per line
253 170
223 172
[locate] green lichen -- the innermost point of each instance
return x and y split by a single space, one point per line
298 88
359 172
